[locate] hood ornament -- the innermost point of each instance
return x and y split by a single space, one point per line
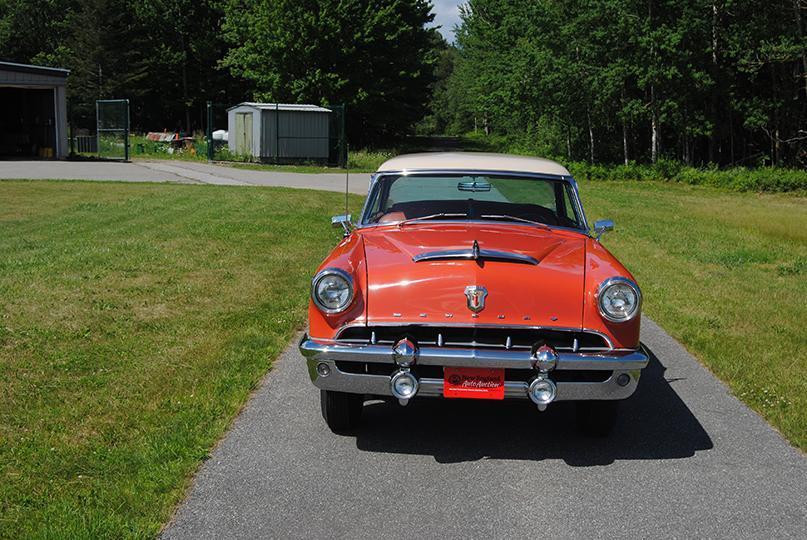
476 295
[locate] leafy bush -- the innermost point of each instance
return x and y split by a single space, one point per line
145 148
367 159
223 153
736 179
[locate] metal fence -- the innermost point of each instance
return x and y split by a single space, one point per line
113 128
85 144
109 137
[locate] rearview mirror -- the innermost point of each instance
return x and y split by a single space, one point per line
342 221
473 186
603 226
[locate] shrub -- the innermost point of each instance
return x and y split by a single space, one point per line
736 179
367 159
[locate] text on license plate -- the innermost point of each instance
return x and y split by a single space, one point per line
473 383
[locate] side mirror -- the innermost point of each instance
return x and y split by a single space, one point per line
342 221
603 226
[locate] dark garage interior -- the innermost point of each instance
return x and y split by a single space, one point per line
33 112
27 122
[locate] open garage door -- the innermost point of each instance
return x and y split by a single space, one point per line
27 123
33 119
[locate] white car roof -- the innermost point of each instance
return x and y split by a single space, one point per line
472 161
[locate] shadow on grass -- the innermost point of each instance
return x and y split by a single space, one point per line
653 424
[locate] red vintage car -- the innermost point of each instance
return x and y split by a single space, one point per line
473 276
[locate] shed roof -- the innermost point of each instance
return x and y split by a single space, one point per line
301 107
473 161
39 70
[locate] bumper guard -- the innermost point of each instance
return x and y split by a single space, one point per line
328 352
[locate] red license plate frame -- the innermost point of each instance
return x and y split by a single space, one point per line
473 383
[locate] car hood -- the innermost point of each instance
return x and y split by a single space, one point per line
402 291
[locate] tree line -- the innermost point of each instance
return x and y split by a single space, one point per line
700 81
169 57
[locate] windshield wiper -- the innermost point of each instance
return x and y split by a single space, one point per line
516 218
431 216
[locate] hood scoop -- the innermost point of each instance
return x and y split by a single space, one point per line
475 254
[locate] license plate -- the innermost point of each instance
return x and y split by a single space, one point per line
473 383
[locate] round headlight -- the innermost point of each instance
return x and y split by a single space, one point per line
619 299
332 290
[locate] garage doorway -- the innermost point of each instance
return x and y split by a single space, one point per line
27 123
33 111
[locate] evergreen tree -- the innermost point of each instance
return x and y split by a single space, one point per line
701 81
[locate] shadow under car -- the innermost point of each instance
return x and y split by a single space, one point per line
654 423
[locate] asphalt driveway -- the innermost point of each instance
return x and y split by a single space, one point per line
686 460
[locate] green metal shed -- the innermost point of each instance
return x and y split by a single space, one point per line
279 131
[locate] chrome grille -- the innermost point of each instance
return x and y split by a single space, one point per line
510 338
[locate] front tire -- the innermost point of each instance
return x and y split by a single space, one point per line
597 418
341 411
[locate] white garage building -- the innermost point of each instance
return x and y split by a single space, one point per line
33 111
279 131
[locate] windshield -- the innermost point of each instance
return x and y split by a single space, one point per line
401 199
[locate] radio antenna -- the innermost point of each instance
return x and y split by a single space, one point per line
347 176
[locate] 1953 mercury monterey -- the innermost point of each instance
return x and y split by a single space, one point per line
473 276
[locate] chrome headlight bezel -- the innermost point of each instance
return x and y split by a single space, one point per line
332 272
605 285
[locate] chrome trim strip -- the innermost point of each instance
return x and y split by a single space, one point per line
542 226
579 203
468 357
470 254
607 339
492 172
374 179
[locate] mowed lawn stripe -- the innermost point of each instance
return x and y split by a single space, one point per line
133 327
724 273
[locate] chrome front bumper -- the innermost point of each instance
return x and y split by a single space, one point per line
329 352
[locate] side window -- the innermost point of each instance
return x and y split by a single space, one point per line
569 209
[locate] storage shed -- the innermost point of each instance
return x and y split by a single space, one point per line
279 131
33 111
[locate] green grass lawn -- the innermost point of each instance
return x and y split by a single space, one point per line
135 319
725 274
134 322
